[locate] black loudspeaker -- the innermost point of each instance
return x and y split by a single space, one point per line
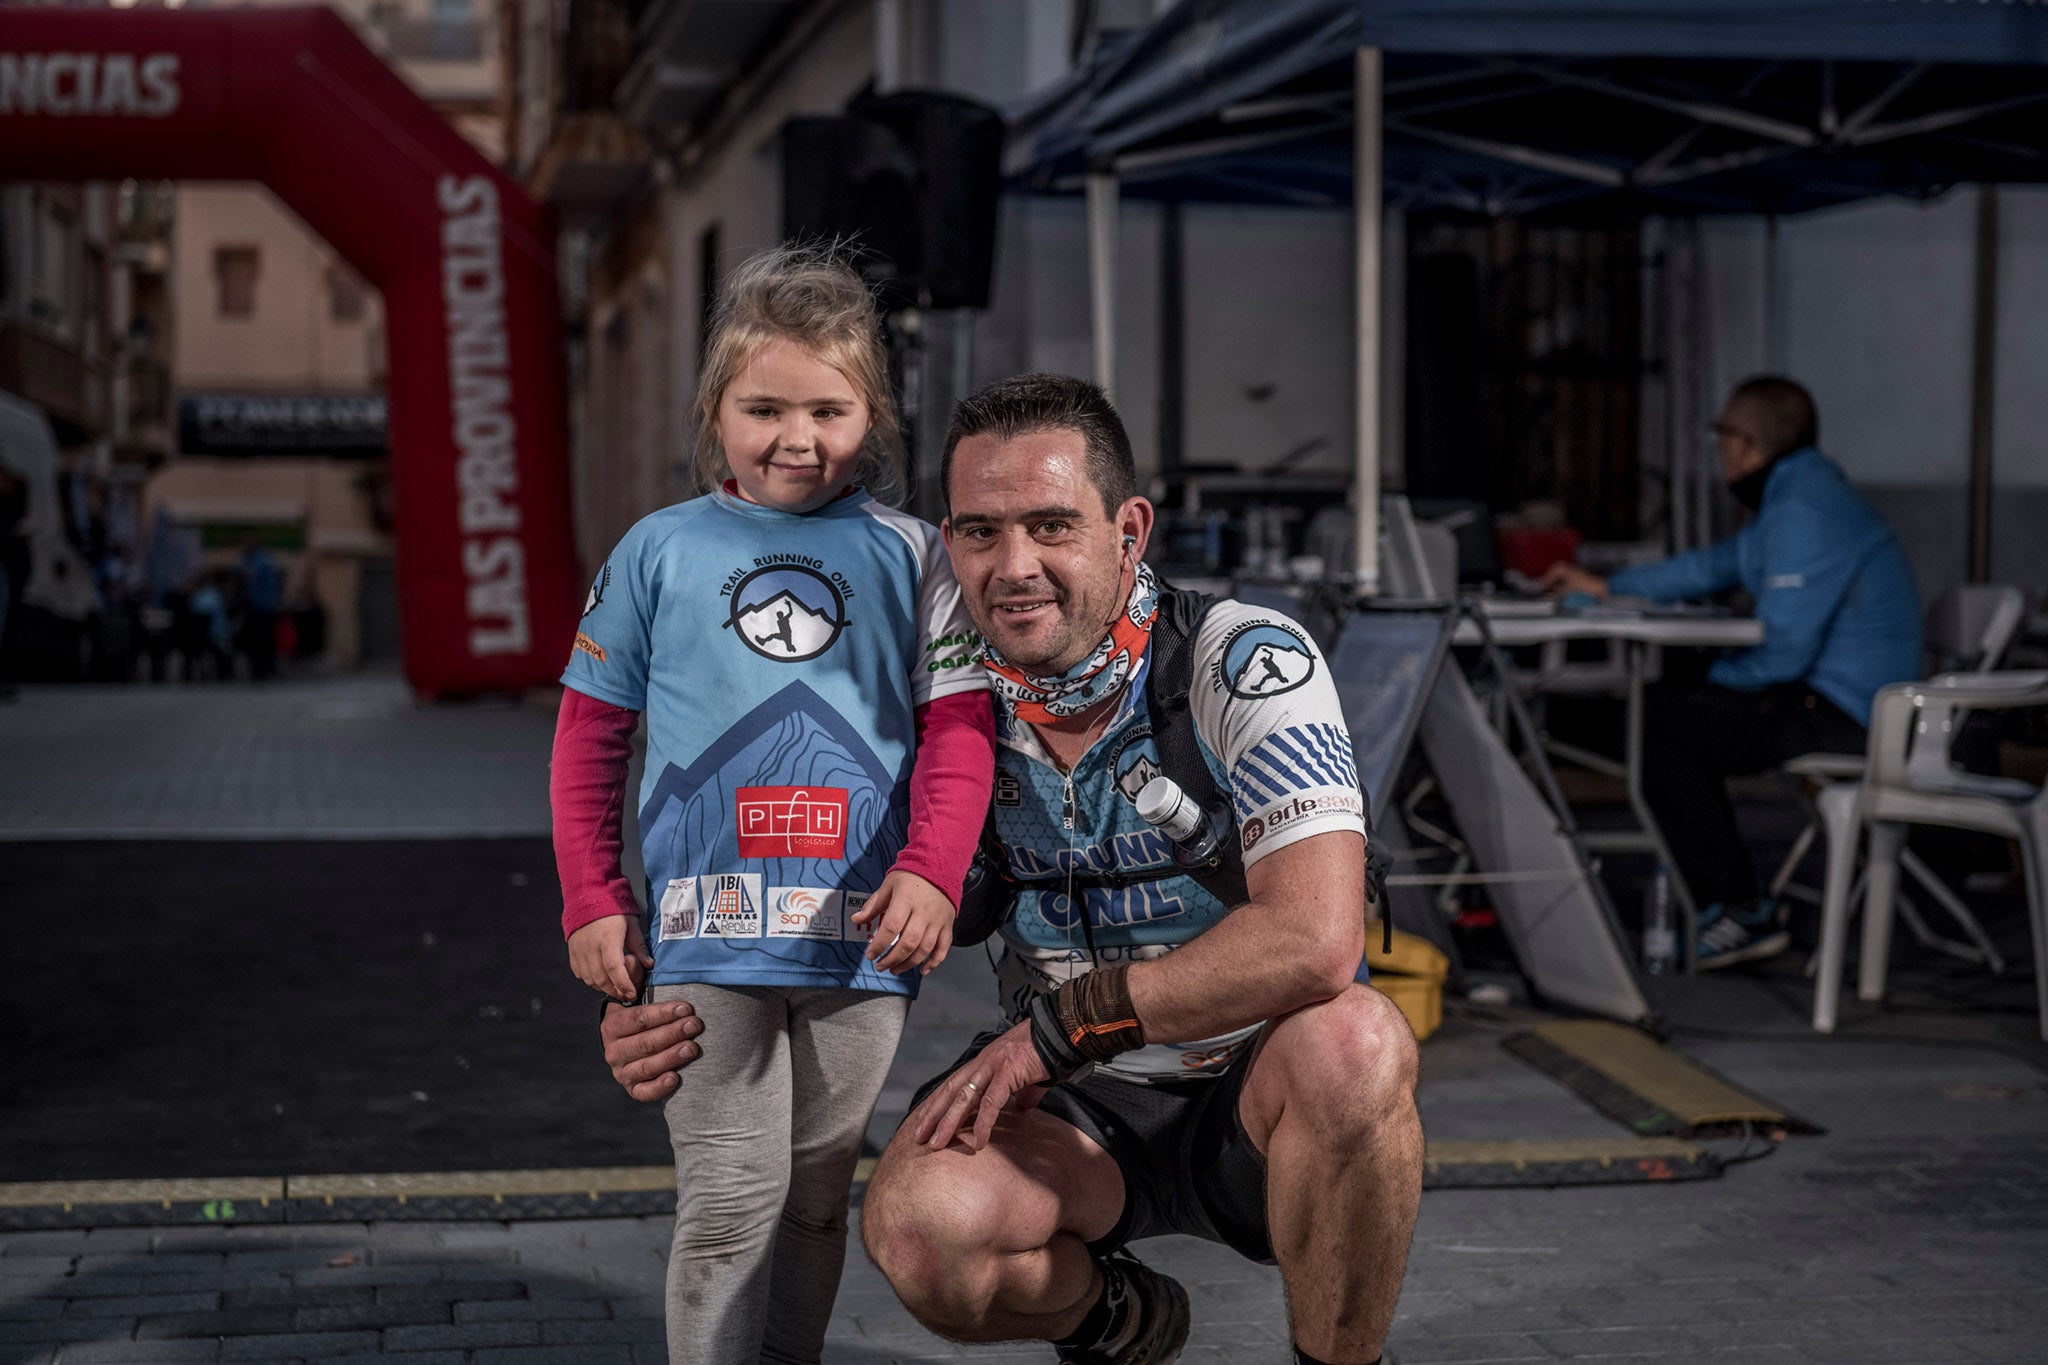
910 182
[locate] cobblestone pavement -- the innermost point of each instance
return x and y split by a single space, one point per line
352 756
1915 1229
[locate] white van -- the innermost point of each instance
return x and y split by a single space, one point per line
59 579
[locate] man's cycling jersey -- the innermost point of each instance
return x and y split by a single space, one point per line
779 658
1272 732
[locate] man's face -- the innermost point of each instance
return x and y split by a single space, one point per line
1740 452
1044 571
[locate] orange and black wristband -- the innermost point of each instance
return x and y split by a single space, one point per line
1096 1015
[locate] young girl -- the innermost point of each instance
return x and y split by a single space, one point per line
793 641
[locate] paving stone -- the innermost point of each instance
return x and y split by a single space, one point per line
462 1336
451 1291
22 1310
430 1255
556 1355
370 1315
138 1352
102 1286
530 1310
139 1305
45 1242
71 1329
297 1345
299 1296
1623 1341
239 1322
594 1331
1503 1347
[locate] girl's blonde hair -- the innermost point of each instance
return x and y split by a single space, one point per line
810 296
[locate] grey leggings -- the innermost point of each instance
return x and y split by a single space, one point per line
766 1128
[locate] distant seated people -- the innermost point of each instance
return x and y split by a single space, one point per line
1841 619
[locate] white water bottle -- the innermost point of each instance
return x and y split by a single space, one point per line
1660 933
1170 810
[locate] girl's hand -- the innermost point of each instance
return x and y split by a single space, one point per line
610 955
913 924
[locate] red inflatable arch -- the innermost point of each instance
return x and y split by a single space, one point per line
291 97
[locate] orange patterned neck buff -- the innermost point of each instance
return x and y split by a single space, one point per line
1043 700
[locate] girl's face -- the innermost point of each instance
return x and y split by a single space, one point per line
792 428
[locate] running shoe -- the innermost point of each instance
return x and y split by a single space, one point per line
1727 935
1162 1318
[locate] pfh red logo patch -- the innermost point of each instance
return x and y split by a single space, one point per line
792 822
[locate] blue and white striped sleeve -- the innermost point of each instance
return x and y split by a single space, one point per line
1266 706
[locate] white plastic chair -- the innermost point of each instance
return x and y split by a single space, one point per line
1911 780
1971 626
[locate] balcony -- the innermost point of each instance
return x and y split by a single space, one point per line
56 376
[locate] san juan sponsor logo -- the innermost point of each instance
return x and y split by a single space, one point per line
792 822
786 608
1263 659
804 912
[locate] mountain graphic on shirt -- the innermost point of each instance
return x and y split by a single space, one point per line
1273 669
783 624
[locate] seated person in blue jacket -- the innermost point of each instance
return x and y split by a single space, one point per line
1841 618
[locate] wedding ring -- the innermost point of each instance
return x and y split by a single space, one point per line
972 1086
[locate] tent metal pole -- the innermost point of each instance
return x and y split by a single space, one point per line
1983 383
1102 234
1369 79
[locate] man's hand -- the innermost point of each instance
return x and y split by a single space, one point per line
1562 578
646 1045
610 955
1007 1074
913 923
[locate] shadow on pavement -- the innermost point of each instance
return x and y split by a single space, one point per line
195 1009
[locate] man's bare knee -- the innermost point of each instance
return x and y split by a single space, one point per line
1361 1037
932 1229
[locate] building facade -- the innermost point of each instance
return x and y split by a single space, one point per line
279 363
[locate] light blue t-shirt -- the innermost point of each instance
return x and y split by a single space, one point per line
779 658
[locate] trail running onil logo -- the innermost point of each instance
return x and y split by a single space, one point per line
1133 764
1264 659
787 613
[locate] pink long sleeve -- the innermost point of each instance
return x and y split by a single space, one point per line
949 789
587 790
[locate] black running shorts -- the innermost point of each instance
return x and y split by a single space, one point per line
1187 1162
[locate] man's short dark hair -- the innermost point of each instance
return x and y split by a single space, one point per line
1029 403
1779 412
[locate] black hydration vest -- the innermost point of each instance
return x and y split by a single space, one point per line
990 888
